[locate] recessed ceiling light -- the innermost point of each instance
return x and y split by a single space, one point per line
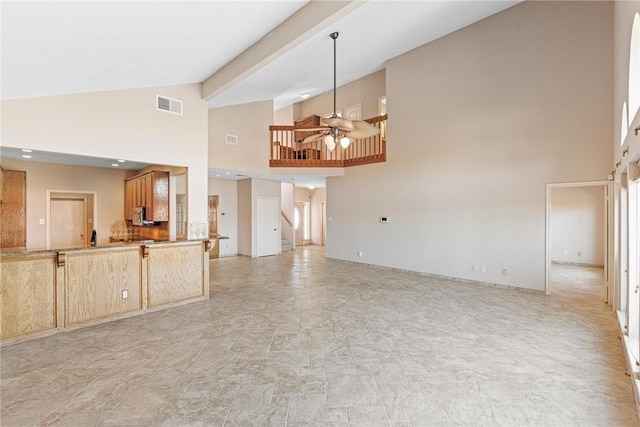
26 156
115 165
217 174
227 173
305 95
312 187
121 161
26 150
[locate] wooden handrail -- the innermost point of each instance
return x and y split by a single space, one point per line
288 150
286 219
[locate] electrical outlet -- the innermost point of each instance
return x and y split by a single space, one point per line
474 267
579 253
125 294
483 269
505 271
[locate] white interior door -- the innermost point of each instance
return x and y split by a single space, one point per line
268 221
68 225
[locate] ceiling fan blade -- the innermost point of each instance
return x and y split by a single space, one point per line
363 130
339 122
313 138
312 129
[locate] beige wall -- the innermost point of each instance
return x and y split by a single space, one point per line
245 227
364 91
283 116
227 190
577 225
120 124
250 123
108 185
479 122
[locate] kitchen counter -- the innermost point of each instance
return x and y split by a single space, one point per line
50 290
39 251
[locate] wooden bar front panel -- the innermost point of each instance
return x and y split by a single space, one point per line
27 296
95 281
175 273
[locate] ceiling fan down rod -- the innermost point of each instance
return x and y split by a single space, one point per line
334 36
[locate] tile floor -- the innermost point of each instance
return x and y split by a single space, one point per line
300 340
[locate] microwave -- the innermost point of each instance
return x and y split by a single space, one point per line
137 216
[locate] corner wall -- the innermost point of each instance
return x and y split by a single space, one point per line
479 122
121 124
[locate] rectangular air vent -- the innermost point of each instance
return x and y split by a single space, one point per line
169 105
231 139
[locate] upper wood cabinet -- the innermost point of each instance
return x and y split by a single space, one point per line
151 191
13 210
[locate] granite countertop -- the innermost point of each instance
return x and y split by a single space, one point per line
6 252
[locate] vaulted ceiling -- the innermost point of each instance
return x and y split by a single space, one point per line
245 51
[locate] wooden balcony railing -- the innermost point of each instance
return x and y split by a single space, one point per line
288 150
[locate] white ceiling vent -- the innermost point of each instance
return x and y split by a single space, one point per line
231 139
169 105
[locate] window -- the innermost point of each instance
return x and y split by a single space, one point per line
634 69
624 124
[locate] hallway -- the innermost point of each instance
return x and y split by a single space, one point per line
299 339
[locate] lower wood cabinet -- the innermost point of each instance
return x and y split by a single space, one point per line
28 295
45 292
96 282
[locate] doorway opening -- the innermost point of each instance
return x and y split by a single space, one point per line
302 223
579 237
71 218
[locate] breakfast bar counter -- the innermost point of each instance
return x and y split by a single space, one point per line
46 291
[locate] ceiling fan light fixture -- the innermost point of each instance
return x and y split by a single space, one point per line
330 142
345 141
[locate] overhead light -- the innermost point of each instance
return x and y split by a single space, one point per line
311 187
217 174
344 141
115 165
121 161
227 173
26 150
305 95
329 142
26 156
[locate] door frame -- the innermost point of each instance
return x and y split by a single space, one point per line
608 230
51 194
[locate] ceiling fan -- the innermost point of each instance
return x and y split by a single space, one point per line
338 128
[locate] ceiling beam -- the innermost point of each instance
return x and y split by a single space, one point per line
307 21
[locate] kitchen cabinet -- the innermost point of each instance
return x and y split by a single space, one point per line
151 191
13 209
